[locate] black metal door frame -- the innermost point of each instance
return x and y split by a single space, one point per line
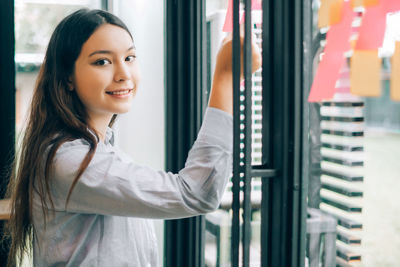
7 104
183 239
7 91
284 186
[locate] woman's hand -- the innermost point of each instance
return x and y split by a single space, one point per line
221 92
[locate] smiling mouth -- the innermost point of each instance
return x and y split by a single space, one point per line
119 92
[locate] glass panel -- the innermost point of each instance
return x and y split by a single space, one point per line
35 21
353 134
218 224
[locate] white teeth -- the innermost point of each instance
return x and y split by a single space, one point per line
119 92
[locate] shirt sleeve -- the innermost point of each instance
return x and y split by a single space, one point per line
112 186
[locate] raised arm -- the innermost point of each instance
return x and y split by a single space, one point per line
113 185
221 92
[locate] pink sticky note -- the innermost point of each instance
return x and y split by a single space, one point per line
338 36
228 25
256 5
325 79
372 29
391 5
337 42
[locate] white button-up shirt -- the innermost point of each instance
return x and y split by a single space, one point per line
106 220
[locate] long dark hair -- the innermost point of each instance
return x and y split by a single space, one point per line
56 116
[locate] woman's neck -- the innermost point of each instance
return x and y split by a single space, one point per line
100 125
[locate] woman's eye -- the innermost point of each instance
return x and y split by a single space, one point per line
102 62
130 58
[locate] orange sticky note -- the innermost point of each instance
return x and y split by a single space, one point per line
335 13
324 12
365 73
368 3
357 3
395 75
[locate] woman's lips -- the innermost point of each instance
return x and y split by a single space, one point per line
120 93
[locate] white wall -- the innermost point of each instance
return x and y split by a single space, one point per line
140 133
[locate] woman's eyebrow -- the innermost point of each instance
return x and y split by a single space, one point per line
108 51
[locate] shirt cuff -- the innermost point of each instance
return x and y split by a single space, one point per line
217 128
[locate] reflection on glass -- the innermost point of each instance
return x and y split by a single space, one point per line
352 162
35 21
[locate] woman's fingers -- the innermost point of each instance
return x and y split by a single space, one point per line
221 92
224 58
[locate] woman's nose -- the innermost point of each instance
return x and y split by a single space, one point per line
122 72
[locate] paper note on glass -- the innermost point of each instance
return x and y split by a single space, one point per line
337 42
357 3
372 29
365 73
228 25
395 75
328 72
391 5
368 3
335 13
338 36
324 13
256 5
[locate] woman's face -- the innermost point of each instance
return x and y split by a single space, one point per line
106 74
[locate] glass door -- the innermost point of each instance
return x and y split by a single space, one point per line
263 208
35 21
353 127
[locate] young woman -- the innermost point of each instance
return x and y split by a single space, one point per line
77 200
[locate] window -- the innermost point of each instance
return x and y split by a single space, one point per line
351 132
35 21
218 224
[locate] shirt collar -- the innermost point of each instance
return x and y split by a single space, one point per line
109 138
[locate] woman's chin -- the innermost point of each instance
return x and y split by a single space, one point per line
122 111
